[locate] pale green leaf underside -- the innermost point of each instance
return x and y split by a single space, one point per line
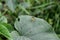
11 5
35 28
3 19
15 36
25 5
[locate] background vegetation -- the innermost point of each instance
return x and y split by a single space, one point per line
48 10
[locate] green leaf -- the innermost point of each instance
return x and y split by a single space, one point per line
0 38
34 28
3 19
4 31
0 14
8 26
43 5
24 9
11 5
0 6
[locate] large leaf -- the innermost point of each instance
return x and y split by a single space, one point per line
34 28
4 32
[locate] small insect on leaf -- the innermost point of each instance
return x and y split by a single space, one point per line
33 19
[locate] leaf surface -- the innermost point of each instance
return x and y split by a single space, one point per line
4 31
34 28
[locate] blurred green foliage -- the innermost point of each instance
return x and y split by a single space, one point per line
48 10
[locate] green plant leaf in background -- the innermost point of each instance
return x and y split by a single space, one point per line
34 28
26 5
0 6
5 28
43 5
4 32
11 4
8 26
3 19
